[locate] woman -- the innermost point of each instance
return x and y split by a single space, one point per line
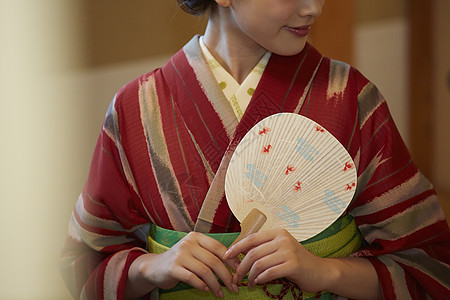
165 144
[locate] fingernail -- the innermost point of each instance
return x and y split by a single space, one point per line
220 294
227 253
235 288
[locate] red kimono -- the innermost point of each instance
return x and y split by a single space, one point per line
166 133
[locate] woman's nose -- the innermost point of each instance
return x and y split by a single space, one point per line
310 8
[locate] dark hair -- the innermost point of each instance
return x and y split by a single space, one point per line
196 7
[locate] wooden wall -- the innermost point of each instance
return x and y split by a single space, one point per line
124 31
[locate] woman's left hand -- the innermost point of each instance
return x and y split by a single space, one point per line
276 254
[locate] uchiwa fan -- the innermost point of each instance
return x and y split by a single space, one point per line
294 171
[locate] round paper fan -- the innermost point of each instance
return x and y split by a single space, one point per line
294 171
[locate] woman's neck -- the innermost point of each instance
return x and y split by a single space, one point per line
238 56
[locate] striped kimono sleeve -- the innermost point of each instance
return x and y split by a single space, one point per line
106 231
396 209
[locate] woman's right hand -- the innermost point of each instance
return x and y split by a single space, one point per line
195 260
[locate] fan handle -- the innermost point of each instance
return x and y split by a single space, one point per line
251 224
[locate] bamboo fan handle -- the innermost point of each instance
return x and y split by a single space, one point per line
251 224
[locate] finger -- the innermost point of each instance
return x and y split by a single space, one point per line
210 251
248 243
187 276
267 265
218 249
233 262
212 245
252 257
271 273
203 272
192 255
213 259
217 266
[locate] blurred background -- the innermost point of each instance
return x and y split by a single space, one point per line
61 62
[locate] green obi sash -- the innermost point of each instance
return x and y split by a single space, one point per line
339 240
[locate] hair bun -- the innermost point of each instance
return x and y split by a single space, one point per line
195 7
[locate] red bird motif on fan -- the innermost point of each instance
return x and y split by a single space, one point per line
289 169
348 166
266 149
265 130
319 129
297 186
350 186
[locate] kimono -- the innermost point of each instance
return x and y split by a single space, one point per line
166 139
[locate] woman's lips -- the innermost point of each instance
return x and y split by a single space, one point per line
299 31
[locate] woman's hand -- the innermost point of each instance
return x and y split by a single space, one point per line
195 260
275 254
